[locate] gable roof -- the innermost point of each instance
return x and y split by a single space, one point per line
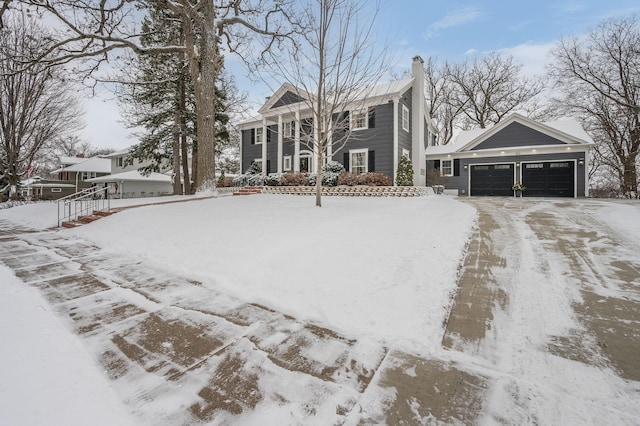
93 164
568 131
288 94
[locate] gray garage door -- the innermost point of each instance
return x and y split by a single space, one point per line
492 179
549 179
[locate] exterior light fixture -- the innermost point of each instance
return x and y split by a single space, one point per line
581 161
465 167
518 164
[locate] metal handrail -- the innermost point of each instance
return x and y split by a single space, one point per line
82 202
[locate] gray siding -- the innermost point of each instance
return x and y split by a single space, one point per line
287 99
378 139
249 151
516 134
461 183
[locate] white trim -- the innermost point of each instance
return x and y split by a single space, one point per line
265 129
405 114
364 113
288 129
396 142
280 137
296 145
305 153
56 189
406 153
366 158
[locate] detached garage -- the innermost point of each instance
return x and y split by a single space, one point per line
549 159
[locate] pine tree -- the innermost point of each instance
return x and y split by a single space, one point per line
160 98
404 176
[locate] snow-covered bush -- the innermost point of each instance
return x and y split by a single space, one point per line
273 179
404 176
252 177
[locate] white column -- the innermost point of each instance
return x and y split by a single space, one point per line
264 146
330 145
396 146
296 149
280 136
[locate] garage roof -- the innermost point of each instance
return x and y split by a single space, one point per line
567 130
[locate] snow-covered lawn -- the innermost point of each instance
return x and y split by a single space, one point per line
376 267
380 268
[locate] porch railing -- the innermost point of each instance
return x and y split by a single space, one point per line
82 203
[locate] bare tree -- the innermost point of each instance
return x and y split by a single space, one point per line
334 69
444 100
36 104
490 88
599 78
95 30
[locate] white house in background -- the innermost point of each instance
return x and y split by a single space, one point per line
78 173
125 181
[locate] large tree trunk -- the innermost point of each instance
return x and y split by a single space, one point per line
175 157
319 176
630 177
204 74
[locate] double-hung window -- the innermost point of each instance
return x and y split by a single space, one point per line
289 129
359 120
286 166
405 118
259 135
446 167
358 163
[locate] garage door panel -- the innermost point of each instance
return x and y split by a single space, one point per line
549 179
492 179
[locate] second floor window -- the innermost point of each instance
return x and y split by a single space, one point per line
289 129
259 135
405 118
359 120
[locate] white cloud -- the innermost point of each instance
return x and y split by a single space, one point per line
533 56
452 19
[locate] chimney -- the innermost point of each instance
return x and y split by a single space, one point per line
418 130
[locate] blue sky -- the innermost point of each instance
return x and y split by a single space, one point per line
448 30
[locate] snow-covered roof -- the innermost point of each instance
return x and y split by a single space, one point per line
132 176
118 153
567 129
93 164
65 161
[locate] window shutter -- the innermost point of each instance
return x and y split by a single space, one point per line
372 117
268 166
436 164
372 161
456 167
345 161
253 136
346 121
268 134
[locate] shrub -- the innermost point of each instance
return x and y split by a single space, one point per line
333 167
273 179
294 179
374 179
404 176
347 178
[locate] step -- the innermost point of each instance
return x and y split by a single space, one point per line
88 218
71 224
103 213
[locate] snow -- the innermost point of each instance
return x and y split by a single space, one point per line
47 374
395 260
381 271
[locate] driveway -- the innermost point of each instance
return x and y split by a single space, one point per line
544 329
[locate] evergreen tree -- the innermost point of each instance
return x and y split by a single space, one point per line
404 176
160 98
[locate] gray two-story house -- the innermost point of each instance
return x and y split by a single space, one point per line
390 121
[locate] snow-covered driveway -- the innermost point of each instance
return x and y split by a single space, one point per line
548 311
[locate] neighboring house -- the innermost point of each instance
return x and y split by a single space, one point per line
43 189
125 181
78 173
391 121
549 159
